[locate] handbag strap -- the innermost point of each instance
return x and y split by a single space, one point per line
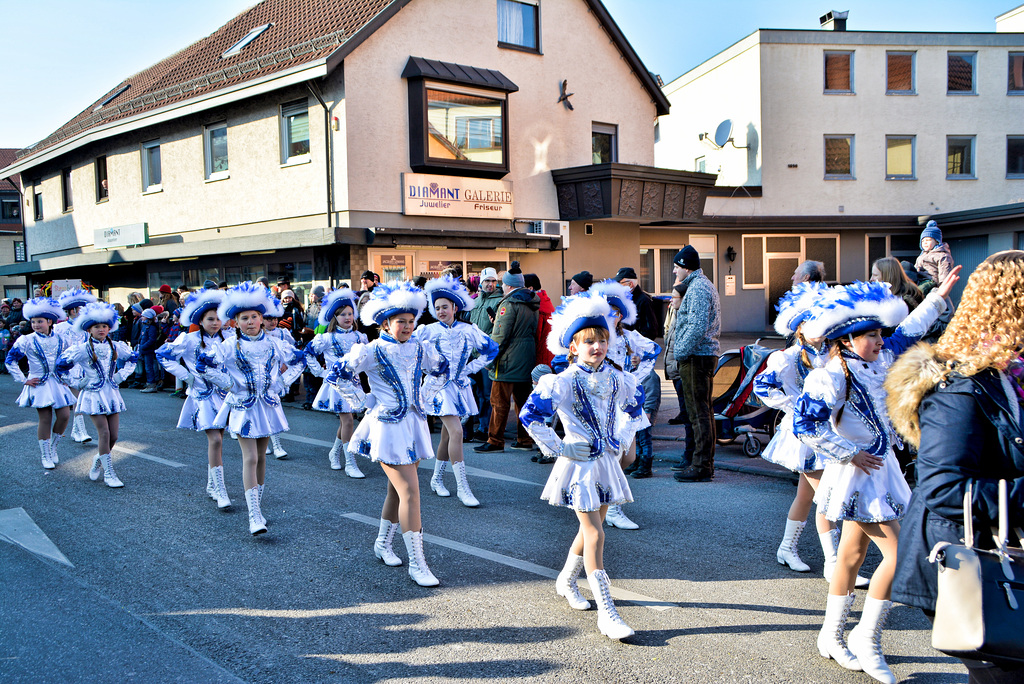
969 516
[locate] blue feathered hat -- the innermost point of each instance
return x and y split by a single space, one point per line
448 287
619 296
795 306
335 301
275 308
576 312
393 299
198 303
851 309
72 299
43 307
97 312
244 297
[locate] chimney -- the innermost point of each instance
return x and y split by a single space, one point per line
834 20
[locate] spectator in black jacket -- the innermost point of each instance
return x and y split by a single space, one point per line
646 322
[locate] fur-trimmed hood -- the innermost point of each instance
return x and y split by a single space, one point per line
916 373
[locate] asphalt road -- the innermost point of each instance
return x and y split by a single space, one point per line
166 588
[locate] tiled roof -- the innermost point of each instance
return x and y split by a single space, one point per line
303 31
6 159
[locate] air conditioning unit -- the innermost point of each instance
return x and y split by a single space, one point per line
560 228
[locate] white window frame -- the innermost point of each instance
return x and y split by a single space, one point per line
252 35
147 185
974 72
913 158
701 161
913 72
824 73
208 130
290 109
607 129
802 255
853 157
973 175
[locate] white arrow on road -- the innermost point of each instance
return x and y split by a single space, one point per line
18 528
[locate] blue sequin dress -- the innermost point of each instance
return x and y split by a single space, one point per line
334 346
41 352
203 400
452 393
99 378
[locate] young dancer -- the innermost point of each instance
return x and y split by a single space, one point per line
841 413
453 399
72 301
394 431
203 400
248 366
589 397
635 354
338 313
271 321
100 397
42 390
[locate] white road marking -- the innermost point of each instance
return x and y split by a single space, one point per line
156 459
533 568
15 427
18 528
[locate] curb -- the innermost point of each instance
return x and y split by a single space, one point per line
779 474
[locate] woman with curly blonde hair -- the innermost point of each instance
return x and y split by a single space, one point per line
973 379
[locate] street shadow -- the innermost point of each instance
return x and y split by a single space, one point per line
492 669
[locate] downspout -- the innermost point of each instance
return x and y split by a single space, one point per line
328 150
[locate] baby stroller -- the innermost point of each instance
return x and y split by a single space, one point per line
737 409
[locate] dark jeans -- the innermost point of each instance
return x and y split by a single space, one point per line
312 385
482 394
696 374
678 384
501 399
152 368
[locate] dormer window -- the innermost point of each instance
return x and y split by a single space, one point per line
249 37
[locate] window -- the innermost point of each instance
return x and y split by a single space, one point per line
838 72
839 157
899 77
899 157
960 157
151 166
465 127
102 189
760 251
1015 156
37 201
1015 85
294 131
604 143
518 24
248 38
215 150
65 189
960 73
903 247
9 210
656 273
700 164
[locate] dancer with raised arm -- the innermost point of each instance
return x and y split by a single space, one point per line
72 301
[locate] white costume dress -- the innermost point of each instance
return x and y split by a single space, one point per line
249 369
625 346
778 386
286 339
100 378
41 352
590 404
840 427
203 399
334 346
452 393
394 431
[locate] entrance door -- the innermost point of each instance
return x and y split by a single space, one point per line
780 281
392 266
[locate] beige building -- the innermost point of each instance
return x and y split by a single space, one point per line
310 141
838 145
12 237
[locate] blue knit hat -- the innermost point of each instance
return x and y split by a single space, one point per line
514 276
931 230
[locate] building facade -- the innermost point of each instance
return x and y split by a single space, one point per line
12 236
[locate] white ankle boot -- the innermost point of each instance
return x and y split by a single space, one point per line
437 479
97 468
418 569
211 489
832 637
565 584
352 467
79 433
608 620
220 492
616 518
866 640
334 455
382 547
109 476
787 554
256 523
44 449
54 441
259 498
465 493
279 452
830 547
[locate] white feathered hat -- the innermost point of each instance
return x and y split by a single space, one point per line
850 309
275 307
72 299
619 296
576 312
244 297
794 307
43 307
97 312
448 287
335 301
198 303
393 299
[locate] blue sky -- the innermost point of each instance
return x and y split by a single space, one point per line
60 55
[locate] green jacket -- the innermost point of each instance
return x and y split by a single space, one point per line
515 332
478 314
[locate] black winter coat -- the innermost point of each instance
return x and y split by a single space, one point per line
646 320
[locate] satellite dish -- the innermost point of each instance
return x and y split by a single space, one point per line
723 133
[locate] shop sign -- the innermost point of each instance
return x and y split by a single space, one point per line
392 260
121 236
431 195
